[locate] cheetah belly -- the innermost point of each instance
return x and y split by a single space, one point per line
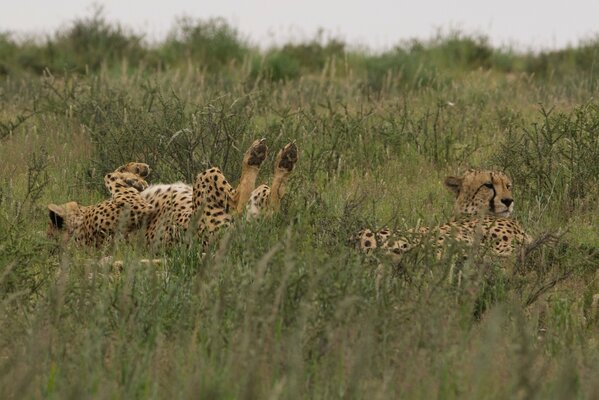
173 204
257 202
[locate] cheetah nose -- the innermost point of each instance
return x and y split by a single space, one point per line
507 201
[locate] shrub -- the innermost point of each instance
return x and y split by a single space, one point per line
555 160
211 43
400 67
278 66
176 137
566 63
91 42
313 55
8 49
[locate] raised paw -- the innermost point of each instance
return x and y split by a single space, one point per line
256 154
115 181
137 183
287 157
136 168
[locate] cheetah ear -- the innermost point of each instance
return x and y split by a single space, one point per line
454 184
57 214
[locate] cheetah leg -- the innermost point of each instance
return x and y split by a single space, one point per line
136 168
284 164
265 200
211 201
252 160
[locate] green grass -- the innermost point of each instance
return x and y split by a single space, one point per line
284 308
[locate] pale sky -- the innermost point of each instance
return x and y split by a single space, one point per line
379 24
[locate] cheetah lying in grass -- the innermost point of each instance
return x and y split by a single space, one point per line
125 212
212 202
167 211
483 206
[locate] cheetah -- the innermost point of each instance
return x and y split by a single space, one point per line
211 203
483 205
125 212
166 211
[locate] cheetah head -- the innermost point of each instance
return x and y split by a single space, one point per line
64 220
482 192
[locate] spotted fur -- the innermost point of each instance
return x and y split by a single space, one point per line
125 212
167 211
483 204
212 202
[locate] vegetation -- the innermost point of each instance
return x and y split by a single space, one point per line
284 308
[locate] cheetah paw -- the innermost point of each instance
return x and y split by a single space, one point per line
256 154
136 168
287 157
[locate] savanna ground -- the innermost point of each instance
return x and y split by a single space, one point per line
284 307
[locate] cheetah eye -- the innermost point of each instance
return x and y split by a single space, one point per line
489 185
508 186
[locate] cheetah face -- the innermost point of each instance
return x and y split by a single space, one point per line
64 220
483 192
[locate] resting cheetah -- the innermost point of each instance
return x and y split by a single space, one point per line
483 204
210 203
125 211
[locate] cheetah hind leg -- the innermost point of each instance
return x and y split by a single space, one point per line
141 169
284 163
266 200
252 160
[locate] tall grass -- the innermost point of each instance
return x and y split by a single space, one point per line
283 307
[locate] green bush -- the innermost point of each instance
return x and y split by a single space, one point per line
417 64
564 63
399 67
557 157
211 43
91 43
8 49
278 66
313 55
460 51
177 138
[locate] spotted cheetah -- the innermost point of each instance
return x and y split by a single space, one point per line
212 202
171 209
482 209
125 212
